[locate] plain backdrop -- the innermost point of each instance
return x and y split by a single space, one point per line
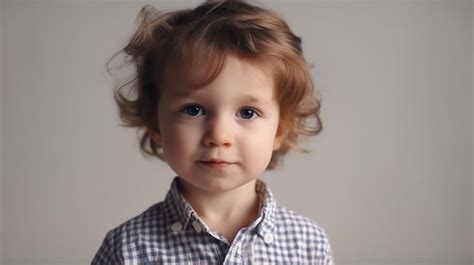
390 178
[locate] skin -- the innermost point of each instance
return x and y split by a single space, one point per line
219 121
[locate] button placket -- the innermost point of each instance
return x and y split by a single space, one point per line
247 252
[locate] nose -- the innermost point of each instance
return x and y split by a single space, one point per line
219 132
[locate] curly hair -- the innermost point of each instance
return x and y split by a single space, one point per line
166 43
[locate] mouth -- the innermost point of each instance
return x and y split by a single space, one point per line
215 163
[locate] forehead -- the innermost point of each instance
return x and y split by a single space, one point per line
250 80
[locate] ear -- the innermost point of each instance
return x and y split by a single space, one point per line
279 137
155 136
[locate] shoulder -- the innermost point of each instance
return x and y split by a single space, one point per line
117 241
153 217
310 236
290 220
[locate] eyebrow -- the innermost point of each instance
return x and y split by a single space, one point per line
243 98
252 99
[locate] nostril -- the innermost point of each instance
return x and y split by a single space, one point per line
218 138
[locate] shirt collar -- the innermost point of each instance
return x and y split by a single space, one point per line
178 209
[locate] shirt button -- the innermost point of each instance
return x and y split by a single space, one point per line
197 226
268 238
176 227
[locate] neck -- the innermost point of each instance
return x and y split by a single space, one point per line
220 207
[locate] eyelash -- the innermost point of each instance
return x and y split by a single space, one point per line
254 111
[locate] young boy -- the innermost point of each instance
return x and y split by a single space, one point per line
223 91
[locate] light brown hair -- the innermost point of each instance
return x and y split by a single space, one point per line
169 43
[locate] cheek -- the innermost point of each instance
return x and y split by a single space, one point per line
259 148
178 142
257 157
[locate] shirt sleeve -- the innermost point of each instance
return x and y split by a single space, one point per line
328 256
109 252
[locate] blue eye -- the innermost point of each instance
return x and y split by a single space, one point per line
192 110
248 114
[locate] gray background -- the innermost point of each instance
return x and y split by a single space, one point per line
390 177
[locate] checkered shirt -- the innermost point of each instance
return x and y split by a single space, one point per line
171 232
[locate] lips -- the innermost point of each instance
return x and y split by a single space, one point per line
215 163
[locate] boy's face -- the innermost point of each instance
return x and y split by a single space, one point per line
220 121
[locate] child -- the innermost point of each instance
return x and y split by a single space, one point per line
224 92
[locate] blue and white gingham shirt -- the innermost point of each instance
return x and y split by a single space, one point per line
171 232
